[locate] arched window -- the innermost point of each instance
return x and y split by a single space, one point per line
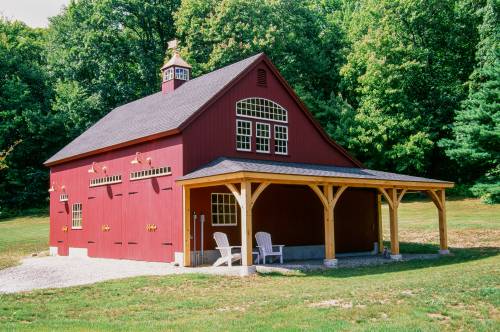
266 111
261 108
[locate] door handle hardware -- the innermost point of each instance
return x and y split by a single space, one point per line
64 229
105 228
151 227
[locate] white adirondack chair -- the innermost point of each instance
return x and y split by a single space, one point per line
227 256
266 247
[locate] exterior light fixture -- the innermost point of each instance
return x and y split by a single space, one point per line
149 160
104 169
92 169
52 188
137 159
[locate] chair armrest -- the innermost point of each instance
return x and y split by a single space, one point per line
230 247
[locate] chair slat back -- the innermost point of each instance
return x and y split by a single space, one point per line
222 241
264 241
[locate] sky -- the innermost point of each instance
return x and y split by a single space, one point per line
34 13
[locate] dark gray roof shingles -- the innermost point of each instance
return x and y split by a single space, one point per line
152 114
232 165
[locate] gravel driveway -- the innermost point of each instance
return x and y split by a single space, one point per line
59 271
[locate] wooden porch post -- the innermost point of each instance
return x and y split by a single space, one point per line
246 224
329 200
379 221
393 219
439 199
393 200
330 259
186 202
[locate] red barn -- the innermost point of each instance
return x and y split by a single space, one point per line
235 146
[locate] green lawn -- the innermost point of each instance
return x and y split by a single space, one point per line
457 292
22 236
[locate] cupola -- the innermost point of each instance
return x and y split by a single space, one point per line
175 72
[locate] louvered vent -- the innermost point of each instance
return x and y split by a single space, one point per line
261 77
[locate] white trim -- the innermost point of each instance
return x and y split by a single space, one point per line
281 140
263 137
150 173
232 202
278 107
250 135
111 179
76 216
63 197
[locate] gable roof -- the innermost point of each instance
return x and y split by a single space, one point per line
222 166
160 114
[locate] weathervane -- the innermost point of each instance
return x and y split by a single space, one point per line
173 44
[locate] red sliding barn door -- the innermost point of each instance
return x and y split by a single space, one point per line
63 225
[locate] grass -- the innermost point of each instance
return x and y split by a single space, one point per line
460 292
22 236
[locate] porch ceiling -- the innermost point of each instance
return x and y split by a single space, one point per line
228 170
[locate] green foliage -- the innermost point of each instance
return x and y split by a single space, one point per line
405 75
406 85
476 132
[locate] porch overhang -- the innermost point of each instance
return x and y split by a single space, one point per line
327 182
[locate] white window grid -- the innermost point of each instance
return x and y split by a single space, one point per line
181 73
63 197
150 173
169 74
76 216
280 139
261 108
262 137
224 210
105 180
243 135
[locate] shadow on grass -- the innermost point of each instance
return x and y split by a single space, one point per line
458 255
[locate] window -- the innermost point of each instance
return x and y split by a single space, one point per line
181 74
262 136
76 216
169 74
105 180
63 197
280 139
150 173
243 135
224 212
260 108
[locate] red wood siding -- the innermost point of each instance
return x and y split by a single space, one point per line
127 208
293 215
212 134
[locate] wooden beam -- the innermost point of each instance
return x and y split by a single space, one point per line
386 196
235 192
320 194
306 180
393 218
338 192
379 222
329 224
329 220
246 224
259 191
435 198
400 196
186 202
443 232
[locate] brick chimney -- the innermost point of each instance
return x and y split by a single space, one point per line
175 73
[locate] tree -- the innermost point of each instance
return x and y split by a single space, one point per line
106 53
26 124
404 76
476 132
299 39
